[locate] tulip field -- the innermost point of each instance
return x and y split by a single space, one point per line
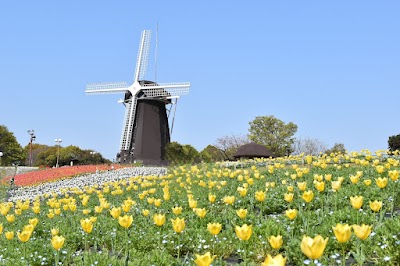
342 209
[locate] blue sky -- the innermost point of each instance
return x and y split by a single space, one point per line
332 68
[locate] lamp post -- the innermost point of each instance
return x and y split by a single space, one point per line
1 155
58 141
33 137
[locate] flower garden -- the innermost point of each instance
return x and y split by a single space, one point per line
329 210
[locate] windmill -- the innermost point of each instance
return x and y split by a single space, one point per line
145 131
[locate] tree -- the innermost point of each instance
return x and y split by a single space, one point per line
191 154
211 154
228 145
273 133
309 146
48 156
36 150
12 151
174 153
394 143
181 154
337 148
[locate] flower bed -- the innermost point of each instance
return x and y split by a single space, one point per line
52 174
333 210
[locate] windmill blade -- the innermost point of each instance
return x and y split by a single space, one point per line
166 89
106 88
143 55
127 130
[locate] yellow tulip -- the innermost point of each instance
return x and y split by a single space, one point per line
211 198
320 186
18 212
93 219
244 232
242 191
145 212
33 221
86 211
302 185
241 213
363 231
214 228
9 235
275 241
288 197
356 202
1 228
10 218
278 260
126 207
98 209
229 200
178 224
260 196
177 210
394 175
57 242
354 179
72 207
24 235
380 169
36 209
150 200
57 211
308 196
336 185
29 227
291 213
192 203
50 215
54 231
200 212
342 232
87 225
381 182
204 260
313 248
290 188
328 177
159 219
375 205
125 221
157 202
115 212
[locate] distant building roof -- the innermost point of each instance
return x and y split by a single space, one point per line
253 150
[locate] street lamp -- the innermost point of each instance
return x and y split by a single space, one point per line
33 137
58 141
1 155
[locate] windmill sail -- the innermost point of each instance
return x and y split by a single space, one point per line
143 56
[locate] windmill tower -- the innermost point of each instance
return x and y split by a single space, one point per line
145 131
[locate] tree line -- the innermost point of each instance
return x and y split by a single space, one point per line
43 155
276 135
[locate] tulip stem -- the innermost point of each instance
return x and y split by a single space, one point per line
160 238
179 246
343 256
57 258
393 199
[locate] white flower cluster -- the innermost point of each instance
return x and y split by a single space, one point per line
24 193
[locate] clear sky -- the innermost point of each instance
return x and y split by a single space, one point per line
331 67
